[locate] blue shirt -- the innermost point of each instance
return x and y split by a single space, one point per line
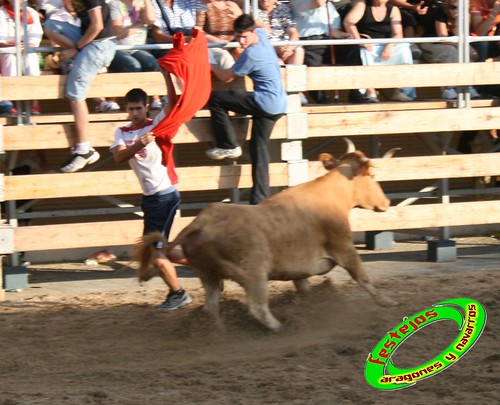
260 63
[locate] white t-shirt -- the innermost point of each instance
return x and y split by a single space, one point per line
147 163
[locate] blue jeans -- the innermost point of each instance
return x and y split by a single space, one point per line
159 211
136 61
6 107
86 65
64 28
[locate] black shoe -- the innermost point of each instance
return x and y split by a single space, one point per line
356 97
322 98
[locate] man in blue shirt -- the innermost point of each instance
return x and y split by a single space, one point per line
266 104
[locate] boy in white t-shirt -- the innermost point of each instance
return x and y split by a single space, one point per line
136 144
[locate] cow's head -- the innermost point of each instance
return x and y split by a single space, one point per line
354 165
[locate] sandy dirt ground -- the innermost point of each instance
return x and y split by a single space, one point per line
82 335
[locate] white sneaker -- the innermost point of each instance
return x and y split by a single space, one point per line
79 161
156 105
219 154
113 106
473 93
449 94
106 106
399 95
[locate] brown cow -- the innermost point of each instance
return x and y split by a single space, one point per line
295 234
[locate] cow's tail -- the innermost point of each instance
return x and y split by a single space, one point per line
154 245
146 252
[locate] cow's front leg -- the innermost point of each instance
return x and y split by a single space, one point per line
352 263
258 305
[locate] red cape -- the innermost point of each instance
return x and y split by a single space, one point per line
188 62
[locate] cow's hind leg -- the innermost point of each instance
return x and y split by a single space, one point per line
212 285
352 263
258 304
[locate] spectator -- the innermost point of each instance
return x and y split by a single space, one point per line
318 19
378 19
266 104
8 61
130 21
276 18
442 22
61 25
411 18
93 51
217 23
485 21
174 16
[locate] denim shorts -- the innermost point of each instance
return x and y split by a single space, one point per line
70 31
86 65
159 211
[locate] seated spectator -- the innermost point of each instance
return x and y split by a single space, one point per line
61 22
411 18
377 19
6 107
485 21
130 21
61 26
319 19
171 16
217 23
442 22
276 18
174 16
8 61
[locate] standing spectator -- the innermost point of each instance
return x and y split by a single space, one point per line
8 61
266 104
442 22
378 19
318 19
485 21
93 51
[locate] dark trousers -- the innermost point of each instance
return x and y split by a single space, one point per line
239 101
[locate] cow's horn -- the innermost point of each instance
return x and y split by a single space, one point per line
389 153
350 145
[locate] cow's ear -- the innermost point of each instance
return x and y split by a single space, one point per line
329 162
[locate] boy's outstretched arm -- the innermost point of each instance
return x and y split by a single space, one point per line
171 92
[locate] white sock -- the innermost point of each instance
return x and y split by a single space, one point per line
82 148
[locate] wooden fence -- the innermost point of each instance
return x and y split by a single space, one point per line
435 122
